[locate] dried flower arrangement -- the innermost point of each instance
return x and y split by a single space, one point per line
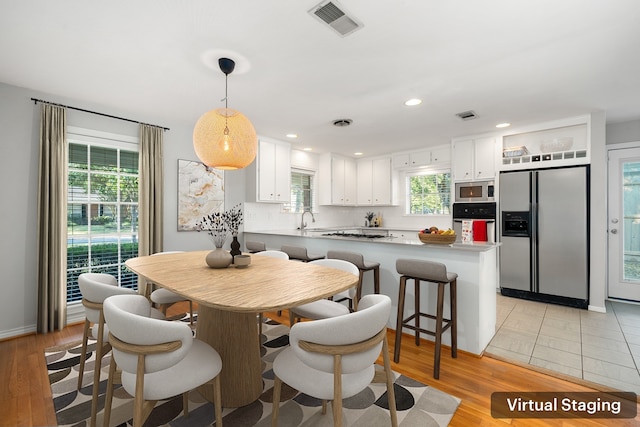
218 225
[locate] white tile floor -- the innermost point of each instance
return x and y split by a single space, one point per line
603 348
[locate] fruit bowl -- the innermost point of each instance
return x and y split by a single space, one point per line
440 239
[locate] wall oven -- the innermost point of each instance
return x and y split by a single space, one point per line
474 191
483 214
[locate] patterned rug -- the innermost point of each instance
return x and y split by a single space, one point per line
417 404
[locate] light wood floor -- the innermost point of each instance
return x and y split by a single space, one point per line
25 395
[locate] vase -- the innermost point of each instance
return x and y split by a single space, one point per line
235 247
219 258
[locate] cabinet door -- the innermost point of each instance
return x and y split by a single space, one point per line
350 182
463 160
337 180
282 173
365 184
485 158
441 155
267 171
381 179
401 161
420 158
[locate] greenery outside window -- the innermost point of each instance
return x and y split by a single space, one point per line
102 213
429 193
302 192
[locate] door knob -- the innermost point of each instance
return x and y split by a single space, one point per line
614 231
614 221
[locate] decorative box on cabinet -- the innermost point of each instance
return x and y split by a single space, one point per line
337 178
374 182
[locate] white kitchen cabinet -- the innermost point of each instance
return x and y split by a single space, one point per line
274 172
474 159
441 155
411 160
337 180
374 182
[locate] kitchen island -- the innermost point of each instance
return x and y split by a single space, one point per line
475 264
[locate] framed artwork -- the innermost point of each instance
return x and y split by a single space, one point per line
200 193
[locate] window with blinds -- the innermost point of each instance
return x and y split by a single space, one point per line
429 193
302 193
102 212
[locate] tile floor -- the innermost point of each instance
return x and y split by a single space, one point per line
603 348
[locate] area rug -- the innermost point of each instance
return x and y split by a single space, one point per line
417 404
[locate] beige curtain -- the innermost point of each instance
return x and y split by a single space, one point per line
150 206
52 220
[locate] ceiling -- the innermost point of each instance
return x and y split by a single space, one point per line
517 61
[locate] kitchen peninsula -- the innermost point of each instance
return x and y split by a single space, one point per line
475 264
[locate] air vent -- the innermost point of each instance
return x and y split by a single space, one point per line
330 13
467 115
342 122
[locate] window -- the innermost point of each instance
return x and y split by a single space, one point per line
429 193
302 194
102 212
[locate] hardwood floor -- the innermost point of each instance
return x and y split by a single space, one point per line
25 397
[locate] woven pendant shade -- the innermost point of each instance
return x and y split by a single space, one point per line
236 150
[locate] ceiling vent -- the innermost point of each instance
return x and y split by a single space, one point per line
342 122
467 115
330 13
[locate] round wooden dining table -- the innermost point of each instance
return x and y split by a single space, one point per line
229 300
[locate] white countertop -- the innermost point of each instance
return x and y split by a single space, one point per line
394 240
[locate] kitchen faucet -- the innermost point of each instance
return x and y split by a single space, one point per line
302 223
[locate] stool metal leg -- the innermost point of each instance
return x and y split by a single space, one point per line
454 321
416 282
439 317
396 347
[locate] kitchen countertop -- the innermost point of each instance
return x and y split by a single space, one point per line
317 233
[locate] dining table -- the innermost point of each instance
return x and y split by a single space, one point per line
229 300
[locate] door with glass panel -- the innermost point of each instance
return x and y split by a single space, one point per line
624 224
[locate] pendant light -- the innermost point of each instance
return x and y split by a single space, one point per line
225 138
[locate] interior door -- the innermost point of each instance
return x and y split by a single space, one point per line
624 224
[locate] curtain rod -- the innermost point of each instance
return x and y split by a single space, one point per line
35 101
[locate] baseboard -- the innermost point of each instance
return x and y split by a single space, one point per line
17 332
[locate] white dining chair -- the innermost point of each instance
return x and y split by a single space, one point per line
164 298
158 359
95 288
272 254
324 308
334 358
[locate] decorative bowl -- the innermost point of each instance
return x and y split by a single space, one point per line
242 261
439 239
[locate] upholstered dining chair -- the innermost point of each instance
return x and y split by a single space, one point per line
272 254
332 359
164 298
324 308
158 359
95 288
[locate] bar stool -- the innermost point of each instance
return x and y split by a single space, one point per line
433 272
358 260
254 247
300 253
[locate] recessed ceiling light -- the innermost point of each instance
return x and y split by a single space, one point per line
292 135
503 125
413 102
307 149
358 154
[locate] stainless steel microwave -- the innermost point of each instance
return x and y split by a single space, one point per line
475 191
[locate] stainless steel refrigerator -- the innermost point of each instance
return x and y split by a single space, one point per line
544 219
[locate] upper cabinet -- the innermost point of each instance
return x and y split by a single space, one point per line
269 177
421 158
374 182
337 180
474 159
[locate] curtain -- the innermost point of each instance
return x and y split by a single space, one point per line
150 189
52 220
